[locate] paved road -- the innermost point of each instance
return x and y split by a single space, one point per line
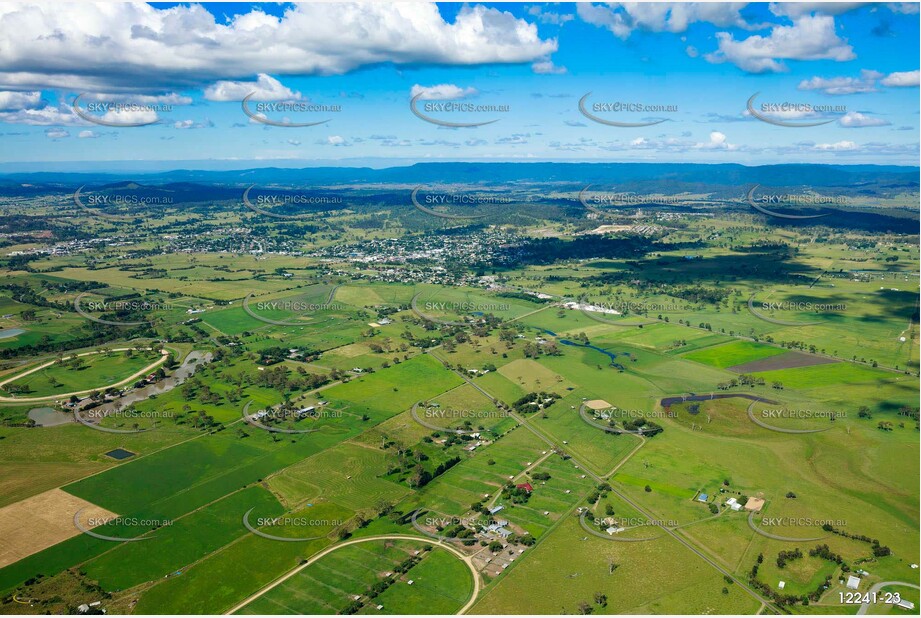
877 587
381 537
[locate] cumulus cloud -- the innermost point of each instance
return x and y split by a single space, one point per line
623 18
856 120
265 88
901 79
809 38
192 124
549 17
43 116
334 140
135 46
717 142
87 134
843 85
546 67
441 92
130 116
798 9
837 146
19 100
57 133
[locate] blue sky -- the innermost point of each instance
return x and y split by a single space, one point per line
187 67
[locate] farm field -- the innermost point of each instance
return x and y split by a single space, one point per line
441 583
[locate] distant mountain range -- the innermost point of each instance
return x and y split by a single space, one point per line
680 174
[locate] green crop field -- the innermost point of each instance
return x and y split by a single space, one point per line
441 583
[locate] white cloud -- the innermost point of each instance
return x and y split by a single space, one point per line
265 88
549 17
856 120
837 146
135 98
57 133
546 67
843 85
192 124
441 92
907 8
623 18
798 9
809 38
87 134
45 116
334 140
19 100
692 51
130 116
134 46
901 79
717 142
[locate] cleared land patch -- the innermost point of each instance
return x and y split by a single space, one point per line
787 360
36 523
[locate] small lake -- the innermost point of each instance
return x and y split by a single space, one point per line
49 417
7 333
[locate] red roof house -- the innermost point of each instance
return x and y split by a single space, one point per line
525 486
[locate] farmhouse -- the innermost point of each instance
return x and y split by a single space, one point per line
525 486
496 509
905 604
853 582
702 498
733 504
